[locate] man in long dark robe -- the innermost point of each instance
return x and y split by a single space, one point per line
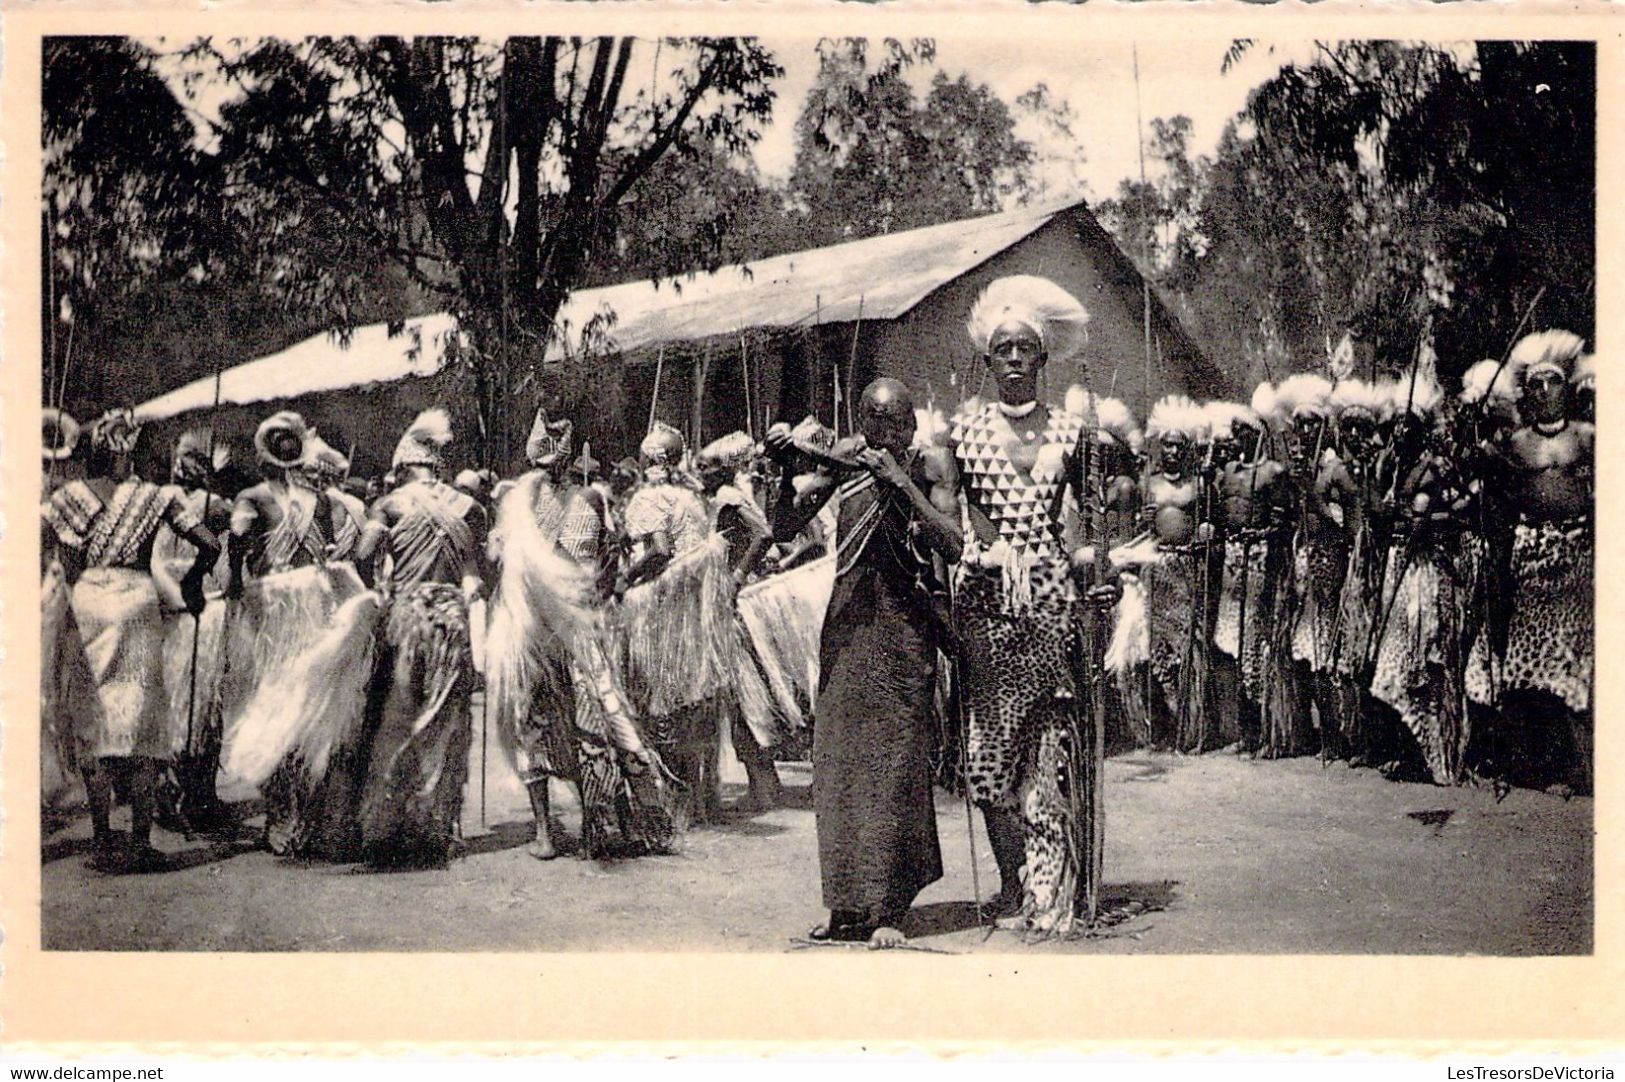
877 833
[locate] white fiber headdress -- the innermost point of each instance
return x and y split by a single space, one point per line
1554 350
1223 417
425 440
1056 315
733 452
1114 421
1476 382
1585 371
60 433
1304 394
289 423
1358 396
1176 414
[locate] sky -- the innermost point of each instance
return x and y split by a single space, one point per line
1175 77
1096 79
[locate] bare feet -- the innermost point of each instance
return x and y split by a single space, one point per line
542 846
886 938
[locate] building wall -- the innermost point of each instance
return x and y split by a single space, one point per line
793 372
928 348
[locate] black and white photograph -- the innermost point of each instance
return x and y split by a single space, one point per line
813 496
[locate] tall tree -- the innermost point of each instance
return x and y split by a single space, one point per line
873 157
490 170
122 189
1394 186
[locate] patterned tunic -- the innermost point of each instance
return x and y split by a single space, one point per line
115 606
1014 612
418 761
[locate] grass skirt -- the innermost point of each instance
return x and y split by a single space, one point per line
418 762
116 611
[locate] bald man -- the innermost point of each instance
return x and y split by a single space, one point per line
877 831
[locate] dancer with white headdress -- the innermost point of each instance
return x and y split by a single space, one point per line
285 590
1016 602
433 538
1546 482
559 707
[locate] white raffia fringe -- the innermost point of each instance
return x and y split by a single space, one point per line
266 633
540 616
681 643
785 617
1130 643
315 705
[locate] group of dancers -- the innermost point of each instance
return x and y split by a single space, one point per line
1374 571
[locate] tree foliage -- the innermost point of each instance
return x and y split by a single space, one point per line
491 171
1384 186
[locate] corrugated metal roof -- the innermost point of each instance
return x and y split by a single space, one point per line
884 276
319 363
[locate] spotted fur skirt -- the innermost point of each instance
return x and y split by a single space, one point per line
1422 654
1020 699
1551 640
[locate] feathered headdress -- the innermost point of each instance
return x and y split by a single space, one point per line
548 440
663 446
425 440
1303 395
115 432
1060 321
1114 423
202 445
60 434
1422 389
1176 414
1223 417
1358 396
731 452
1117 422
285 423
813 433
1476 382
1553 350
1585 371
1263 400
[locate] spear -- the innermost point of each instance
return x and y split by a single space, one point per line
197 618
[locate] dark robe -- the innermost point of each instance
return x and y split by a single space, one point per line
877 827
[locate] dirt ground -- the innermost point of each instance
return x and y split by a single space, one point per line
1215 854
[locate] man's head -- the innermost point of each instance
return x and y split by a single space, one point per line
60 434
1175 425
1544 362
624 476
1015 357
661 451
1019 324
198 457
1545 398
719 462
422 448
886 415
549 444
279 443
113 436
